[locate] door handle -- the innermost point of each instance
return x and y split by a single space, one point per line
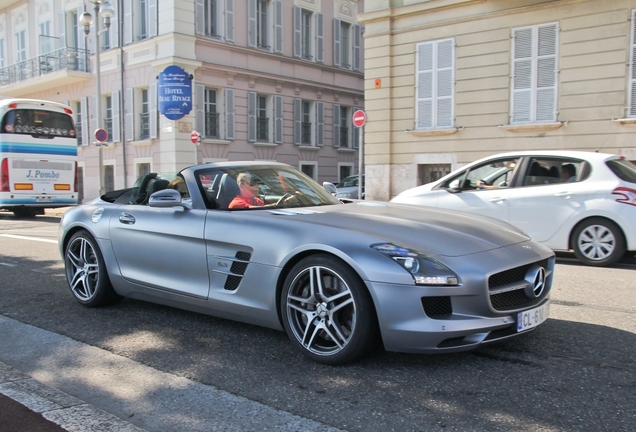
127 218
497 199
562 194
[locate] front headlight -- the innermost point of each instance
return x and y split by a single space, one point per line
425 270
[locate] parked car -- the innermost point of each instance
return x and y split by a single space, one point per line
340 279
348 188
565 200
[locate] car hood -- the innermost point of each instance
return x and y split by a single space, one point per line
439 231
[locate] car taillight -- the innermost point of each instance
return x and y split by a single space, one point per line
626 195
76 183
4 175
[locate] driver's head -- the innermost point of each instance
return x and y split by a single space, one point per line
245 181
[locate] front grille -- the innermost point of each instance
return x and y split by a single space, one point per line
510 300
514 299
437 306
238 270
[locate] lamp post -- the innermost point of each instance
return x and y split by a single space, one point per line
86 19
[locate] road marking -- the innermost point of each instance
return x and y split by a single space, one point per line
7 264
28 238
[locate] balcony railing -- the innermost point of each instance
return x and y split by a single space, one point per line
211 125
108 125
306 129
344 137
144 130
61 59
262 128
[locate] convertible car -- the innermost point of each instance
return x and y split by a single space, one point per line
340 279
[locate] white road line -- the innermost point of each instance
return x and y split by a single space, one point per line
28 238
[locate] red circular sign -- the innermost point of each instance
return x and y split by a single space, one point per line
359 118
101 135
194 137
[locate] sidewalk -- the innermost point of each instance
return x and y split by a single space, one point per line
84 388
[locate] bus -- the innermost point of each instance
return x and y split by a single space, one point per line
38 156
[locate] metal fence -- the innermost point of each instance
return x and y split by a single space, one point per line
62 59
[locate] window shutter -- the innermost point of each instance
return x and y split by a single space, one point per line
320 124
278 26
62 28
297 30
320 38
336 41
298 121
152 109
199 18
357 36
81 36
130 115
199 98
444 83
152 18
229 114
114 27
86 130
336 125
632 69
424 109
278 119
229 20
546 73
251 116
93 122
522 75
251 23
128 23
115 97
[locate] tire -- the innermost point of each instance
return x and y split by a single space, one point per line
598 242
332 322
86 272
25 212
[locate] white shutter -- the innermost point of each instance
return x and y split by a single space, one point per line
152 18
130 114
86 129
93 122
522 75
336 125
115 99
444 83
128 23
278 119
229 20
251 23
251 116
199 17
229 114
320 124
81 36
298 121
336 41
152 110
424 83
357 36
199 98
632 69
297 31
278 26
546 73
62 29
114 26
320 38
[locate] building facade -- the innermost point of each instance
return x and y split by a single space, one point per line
451 81
272 80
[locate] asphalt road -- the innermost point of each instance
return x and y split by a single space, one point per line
577 372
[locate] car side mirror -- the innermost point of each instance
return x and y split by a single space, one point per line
330 187
167 198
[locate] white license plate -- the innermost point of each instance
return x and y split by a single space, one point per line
42 199
533 317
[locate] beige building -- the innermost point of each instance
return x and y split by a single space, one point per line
451 81
271 80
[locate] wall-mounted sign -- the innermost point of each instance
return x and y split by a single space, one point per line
175 93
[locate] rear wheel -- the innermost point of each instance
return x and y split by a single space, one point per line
327 312
598 242
26 212
86 272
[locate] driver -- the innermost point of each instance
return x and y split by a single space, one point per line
248 193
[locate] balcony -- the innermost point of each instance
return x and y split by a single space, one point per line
57 68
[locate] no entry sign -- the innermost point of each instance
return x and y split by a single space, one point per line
359 118
194 137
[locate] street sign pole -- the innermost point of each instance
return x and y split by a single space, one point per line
359 119
195 138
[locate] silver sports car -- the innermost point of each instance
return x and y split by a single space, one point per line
264 244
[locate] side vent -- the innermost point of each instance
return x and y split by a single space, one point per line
238 270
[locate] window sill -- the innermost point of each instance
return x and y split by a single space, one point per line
432 132
625 121
532 127
141 143
309 147
264 144
215 141
346 150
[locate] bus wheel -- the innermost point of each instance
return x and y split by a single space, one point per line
25 212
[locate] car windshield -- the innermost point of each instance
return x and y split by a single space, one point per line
350 181
261 187
624 169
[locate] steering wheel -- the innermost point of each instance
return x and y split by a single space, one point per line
283 198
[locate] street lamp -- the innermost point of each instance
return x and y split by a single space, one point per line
86 19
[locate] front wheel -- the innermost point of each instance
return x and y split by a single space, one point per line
598 242
86 272
327 312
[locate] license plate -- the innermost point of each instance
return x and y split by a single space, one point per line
43 199
533 317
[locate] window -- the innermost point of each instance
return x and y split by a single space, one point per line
262 122
310 168
534 74
143 20
262 27
47 42
346 48
108 120
215 18
140 20
344 171
435 84
144 116
78 122
211 113
75 38
143 169
308 34
546 171
80 184
214 109
210 18
342 134
20 46
264 24
2 55
308 123
494 173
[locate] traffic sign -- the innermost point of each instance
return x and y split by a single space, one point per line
101 135
194 137
359 118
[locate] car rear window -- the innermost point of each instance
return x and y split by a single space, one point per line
624 169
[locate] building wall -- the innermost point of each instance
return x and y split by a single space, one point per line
593 80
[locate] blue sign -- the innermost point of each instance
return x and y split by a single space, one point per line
175 93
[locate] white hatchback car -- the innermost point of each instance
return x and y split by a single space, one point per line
566 200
